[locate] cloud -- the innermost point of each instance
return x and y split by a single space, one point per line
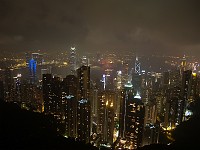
153 26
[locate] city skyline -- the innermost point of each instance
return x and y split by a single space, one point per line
107 100
145 27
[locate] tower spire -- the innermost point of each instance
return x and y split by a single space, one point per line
137 65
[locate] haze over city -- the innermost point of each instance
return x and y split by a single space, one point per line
162 27
99 74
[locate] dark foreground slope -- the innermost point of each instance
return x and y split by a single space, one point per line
22 129
186 135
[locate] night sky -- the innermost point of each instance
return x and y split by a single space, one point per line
143 26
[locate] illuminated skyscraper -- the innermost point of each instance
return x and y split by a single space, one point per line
85 61
151 134
137 66
175 78
46 86
131 120
128 90
52 96
173 108
106 100
8 83
83 112
183 64
43 71
32 71
73 60
69 104
31 97
172 104
94 110
193 88
189 84
136 78
119 80
38 58
17 88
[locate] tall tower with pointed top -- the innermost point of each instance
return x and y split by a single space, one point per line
137 66
136 77
183 64
73 60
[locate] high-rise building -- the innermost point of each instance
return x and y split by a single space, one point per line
151 134
106 100
17 89
52 96
94 110
43 71
172 101
128 90
32 71
150 113
193 88
85 61
189 84
131 120
83 111
174 78
137 66
173 108
119 80
147 84
69 104
8 83
31 96
136 77
183 64
73 60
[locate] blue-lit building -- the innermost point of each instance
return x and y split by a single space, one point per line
32 71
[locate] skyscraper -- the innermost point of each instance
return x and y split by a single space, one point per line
105 123
9 84
136 78
73 60
137 66
52 96
17 89
69 104
32 70
189 84
183 64
131 120
83 111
